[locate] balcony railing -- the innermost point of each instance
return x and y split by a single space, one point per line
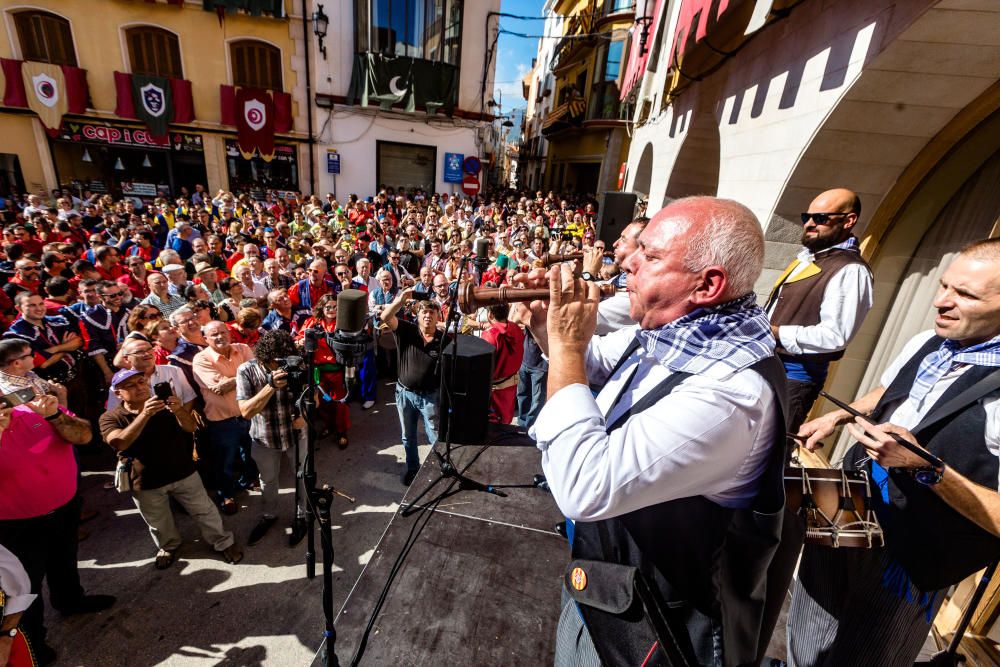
577 26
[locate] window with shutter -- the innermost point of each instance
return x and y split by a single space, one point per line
255 65
45 37
154 52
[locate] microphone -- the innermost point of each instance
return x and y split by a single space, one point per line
482 261
350 340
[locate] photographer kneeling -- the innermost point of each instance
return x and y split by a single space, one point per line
266 399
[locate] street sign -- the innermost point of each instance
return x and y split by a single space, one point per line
453 167
470 184
472 165
332 162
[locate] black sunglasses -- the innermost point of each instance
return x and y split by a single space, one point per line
819 218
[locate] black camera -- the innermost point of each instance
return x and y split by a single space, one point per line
421 296
295 368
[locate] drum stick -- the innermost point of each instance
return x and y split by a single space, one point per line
919 451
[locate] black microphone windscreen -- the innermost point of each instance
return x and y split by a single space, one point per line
352 310
482 247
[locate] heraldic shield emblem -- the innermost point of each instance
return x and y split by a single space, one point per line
255 114
46 89
153 99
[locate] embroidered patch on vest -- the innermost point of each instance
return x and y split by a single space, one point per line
578 578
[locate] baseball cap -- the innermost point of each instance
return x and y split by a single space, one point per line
123 375
173 267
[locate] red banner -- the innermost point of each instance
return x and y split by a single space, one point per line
227 105
282 112
183 100
13 94
125 108
77 91
254 110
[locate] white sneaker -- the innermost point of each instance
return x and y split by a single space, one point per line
368 405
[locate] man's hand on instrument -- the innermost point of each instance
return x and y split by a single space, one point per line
593 260
535 313
882 446
815 430
572 312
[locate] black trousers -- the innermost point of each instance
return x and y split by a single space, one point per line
46 546
801 396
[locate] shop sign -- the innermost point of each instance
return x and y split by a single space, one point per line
332 162
453 167
139 189
127 136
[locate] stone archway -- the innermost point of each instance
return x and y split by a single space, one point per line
696 169
643 178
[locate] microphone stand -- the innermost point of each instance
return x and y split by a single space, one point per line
448 470
318 501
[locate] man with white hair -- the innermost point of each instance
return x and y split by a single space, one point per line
685 438
177 278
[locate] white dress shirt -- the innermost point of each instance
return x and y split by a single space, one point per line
708 437
846 300
14 583
909 413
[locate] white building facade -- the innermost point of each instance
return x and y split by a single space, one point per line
422 75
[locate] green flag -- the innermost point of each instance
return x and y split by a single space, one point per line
153 102
384 80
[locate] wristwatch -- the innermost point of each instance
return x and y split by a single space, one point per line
928 476
587 275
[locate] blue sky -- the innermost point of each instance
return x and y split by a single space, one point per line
515 53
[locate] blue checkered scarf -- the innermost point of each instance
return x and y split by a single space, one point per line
937 364
714 342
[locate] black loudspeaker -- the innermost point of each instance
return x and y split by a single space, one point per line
617 211
466 379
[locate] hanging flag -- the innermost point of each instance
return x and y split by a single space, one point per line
255 123
125 108
13 92
153 103
385 80
77 90
227 105
180 90
282 111
46 92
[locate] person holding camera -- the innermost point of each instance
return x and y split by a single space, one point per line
417 355
268 401
157 434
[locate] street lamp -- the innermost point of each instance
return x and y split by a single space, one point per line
320 23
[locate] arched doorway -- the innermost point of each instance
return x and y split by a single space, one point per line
958 203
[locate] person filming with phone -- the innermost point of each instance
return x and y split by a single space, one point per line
156 432
40 503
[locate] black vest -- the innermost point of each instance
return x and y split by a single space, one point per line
707 565
935 544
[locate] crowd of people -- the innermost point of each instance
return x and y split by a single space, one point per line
160 328
662 407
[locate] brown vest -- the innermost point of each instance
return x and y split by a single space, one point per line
798 302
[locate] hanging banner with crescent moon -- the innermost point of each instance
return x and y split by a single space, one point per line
46 92
403 83
254 116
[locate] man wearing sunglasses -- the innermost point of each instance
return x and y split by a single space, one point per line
820 300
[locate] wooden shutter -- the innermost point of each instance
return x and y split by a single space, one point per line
256 65
154 52
45 38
